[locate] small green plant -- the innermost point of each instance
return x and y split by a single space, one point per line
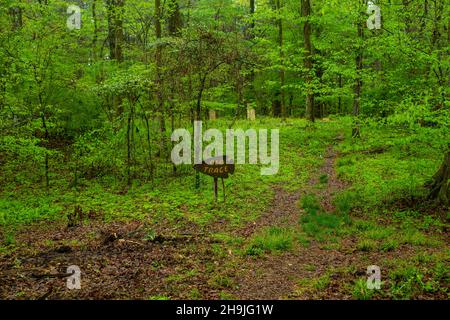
312 285
321 225
409 281
195 294
366 245
310 204
158 298
150 235
322 282
379 233
360 290
389 245
302 239
221 281
10 238
404 282
226 296
310 267
272 239
323 179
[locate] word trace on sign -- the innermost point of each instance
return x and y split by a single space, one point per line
217 167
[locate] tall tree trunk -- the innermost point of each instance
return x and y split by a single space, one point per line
252 12
440 184
175 19
46 137
198 117
281 72
159 79
149 144
129 142
115 11
95 35
251 35
340 97
308 60
175 25
358 78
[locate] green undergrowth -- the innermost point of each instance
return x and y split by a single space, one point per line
390 163
174 197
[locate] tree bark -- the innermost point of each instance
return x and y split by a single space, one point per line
95 35
340 97
358 78
308 60
281 72
439 185
159 80
175 19
115 9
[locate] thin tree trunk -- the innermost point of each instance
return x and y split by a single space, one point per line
129 128
340 98
150 157
281 72
159 80
46 136
308 60
175 19
115 11
439 186
95 35
198 117
358 79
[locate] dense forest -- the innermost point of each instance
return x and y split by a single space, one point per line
92 91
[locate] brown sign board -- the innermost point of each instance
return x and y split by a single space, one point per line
216 167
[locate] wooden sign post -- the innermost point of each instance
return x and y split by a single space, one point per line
216 167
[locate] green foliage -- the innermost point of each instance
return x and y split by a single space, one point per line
323 179
388 164
18 212
158 298
344 202
150 235
360 290
86 118
409 281
312 285
272 239
316 223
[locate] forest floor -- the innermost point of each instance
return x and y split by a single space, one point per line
311 232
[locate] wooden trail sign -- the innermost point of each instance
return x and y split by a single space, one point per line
216 167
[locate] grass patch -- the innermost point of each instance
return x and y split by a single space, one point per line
221 281
360 290
312 285
366 245
272 239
